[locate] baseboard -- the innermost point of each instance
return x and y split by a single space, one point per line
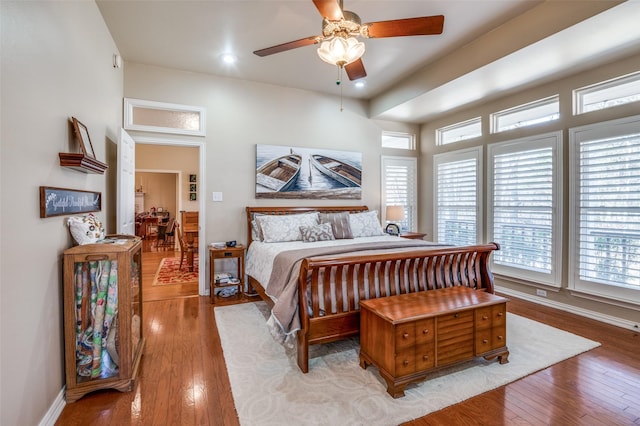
54 411
608 319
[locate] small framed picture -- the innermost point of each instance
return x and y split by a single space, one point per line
193 196
82 133
192 187
192 178
159 210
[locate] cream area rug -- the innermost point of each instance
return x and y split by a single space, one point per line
269 389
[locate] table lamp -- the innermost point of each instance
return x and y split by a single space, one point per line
394 214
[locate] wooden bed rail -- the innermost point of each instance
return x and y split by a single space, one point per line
330 288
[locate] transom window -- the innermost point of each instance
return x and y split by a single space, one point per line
607 94
398 140
536 112
459 132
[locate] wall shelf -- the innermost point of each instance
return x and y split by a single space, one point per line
82 163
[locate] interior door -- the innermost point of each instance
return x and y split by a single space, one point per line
126 184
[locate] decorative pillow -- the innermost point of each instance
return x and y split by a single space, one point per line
321 232
365 224
280 228
86 229
339 224
256 234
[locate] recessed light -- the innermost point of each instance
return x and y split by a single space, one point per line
229 58
359 84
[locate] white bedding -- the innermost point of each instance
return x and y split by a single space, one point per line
260 255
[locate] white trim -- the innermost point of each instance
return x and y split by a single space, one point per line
597 291
608 319
203 288
130 104
54 411
554 141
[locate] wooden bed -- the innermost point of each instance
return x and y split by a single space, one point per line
411 271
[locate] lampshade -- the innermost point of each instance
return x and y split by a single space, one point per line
395 213
340 51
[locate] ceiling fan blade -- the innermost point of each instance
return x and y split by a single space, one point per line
426 25
329 9
288 46
355 70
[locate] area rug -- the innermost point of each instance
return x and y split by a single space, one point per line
168 272
269 389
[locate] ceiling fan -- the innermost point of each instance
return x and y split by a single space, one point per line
339 43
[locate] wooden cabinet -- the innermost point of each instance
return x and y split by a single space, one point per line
409 335
102 315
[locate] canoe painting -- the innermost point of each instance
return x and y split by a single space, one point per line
344 173
280 174
276 164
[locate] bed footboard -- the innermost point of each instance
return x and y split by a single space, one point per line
330 288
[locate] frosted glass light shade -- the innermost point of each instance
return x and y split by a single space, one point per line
339 51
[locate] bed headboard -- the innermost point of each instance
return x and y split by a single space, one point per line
251 211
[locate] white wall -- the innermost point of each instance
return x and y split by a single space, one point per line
241 114
563 87
56 63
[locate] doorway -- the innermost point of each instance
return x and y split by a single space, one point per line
170 157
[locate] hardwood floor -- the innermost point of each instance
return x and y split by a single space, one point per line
183 379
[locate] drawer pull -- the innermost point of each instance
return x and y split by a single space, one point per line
405 362
500 337
485 341
499 314
425 357
456 315
425 331
405 335
484 317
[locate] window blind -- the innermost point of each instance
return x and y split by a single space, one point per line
457 201
609 210
399 180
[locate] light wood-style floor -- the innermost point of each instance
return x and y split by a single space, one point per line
183 379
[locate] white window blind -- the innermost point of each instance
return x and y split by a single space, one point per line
399 188
606 235
523 214
457 194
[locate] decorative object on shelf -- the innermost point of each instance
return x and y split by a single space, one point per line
62 201
86 229
192 178
394 214
85 161
307 173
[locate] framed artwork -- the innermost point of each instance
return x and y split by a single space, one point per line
307 173
82 133
193 196
192 178
62 201
192 187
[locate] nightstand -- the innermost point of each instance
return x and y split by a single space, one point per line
413 235
236 252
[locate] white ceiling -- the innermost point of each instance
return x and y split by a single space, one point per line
193 35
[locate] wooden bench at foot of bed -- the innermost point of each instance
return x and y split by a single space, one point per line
407 272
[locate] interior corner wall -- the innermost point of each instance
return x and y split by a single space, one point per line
562 87
241 114
56 63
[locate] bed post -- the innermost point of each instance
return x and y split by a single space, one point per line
303 351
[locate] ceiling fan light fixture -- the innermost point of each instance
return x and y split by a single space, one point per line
341 51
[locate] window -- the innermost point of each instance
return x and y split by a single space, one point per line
607 94
398 140
457 191
605 189
524 208
459 132
400 188
540 111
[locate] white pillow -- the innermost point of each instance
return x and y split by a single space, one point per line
365 224
280 228
86 229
